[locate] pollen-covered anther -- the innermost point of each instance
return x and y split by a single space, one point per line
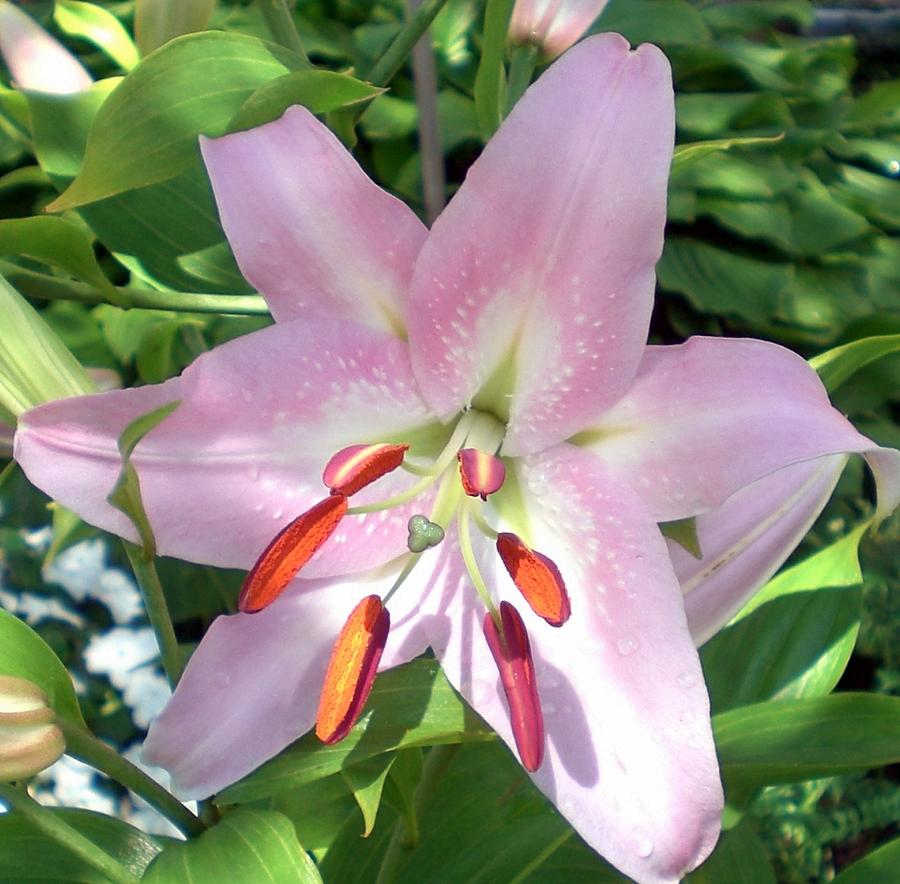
481 473
512 653
351 669
351 469
537 578
291 549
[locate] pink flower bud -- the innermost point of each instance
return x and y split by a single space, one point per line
553 25
29 740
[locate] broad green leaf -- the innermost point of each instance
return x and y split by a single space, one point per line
879 107
875 196
30 855
794 638
25 654
246 847
400 789
146 132
366 782
786 741
490 81
879 867
739 858
723 281
841 363
706 115
742 16
98 26
687 154
412 705
126 494
318 811
158 21
60 243
664 22
35 365
319 91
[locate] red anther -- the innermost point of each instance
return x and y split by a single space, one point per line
537 578
291 549
351 669
351 469
512 653
481 473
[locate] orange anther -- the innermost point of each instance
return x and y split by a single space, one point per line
351 669
291 549
537 578
351 469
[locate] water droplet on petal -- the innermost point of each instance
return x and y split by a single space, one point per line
644 848
687 680
627 645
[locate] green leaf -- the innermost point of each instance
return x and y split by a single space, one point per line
653 21
742 16
98 26
246 847
879 867
786 741
366 782
840 363
30 855
794 637
739 858
158 21
319 91
684 533
413 705
146 132
60 243
126 494
490 81
687 154
35 365
25 654
705 115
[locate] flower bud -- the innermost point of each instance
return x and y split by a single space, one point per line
29 740
552 25
36 61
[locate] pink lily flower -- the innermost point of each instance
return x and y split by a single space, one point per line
512 334
36 60
553 25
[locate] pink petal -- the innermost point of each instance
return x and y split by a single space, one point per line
629 760
554 25
36 61
253 685
308 227
707 417
747 539
544 258
243 454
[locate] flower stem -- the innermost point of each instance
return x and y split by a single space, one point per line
521 68
402 841
393 57
84 746
281 26
426 88
65 835
53 288
157 610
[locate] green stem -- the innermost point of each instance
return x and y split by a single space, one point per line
393 57
157 610
53 288
521 68
402 840
84 746
60 831
281 26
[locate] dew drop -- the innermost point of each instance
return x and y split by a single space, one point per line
644 848
627 645
687 680
277 514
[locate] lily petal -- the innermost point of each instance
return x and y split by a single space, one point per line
243 453
630 760
546 252
747 539
243 698
308 227
707 417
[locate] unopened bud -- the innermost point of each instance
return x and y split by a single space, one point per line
552 25
29 740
